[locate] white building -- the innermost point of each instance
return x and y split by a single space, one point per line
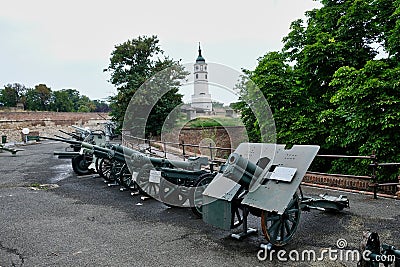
201 99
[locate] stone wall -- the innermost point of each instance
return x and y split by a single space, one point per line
46 123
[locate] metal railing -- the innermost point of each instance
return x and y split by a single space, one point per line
180 150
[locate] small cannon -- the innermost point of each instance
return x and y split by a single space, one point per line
167 180
263 180
373 253
13 151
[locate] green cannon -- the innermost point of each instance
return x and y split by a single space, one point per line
169 181
111 163
263 180
13 151
373 253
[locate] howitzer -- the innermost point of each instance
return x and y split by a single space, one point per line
263 179
80 161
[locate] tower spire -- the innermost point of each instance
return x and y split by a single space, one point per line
200 57
199 50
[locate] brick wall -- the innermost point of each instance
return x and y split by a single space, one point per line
225 137
357 183
45 123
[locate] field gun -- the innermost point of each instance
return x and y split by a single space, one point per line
13 151
165 179
263 180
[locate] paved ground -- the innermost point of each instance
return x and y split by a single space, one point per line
82 222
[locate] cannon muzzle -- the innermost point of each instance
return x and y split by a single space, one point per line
241 170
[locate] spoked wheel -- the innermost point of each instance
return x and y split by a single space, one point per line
105 166
125 177
80 165
145 186
196 201
279 229
115 171
172 194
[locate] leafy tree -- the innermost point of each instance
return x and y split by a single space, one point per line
12 94
85 104
327 87
62 102
38 98
101 106
132 63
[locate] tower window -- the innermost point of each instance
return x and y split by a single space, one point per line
197 67
206 76
197 76
205 67
202 93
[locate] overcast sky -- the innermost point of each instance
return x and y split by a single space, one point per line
67 44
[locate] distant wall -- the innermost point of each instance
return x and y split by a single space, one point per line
45 123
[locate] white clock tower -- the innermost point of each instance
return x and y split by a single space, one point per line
201 99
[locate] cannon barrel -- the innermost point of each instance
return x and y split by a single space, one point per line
241 170
140 159
71 134
80 129
68 141
66 154
116 152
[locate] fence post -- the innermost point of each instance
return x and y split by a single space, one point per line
165 150
183 150
398 188
375 165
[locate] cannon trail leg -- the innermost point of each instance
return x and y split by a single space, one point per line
246 231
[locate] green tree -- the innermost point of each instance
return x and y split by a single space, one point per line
132 63
12 94
85 104
38 98
61 101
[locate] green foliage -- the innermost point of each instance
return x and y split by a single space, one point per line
12 94
42 98
38 98
326 86
133 63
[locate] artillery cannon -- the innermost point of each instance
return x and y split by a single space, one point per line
373 253
262 180
13 151
167 180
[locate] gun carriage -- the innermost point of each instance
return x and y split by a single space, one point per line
263 180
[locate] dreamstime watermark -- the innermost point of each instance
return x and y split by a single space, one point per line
333 254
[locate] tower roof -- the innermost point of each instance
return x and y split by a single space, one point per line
200 58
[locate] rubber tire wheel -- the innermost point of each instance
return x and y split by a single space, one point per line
198 189
80 165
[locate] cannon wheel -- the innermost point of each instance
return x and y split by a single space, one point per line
125 177
171 194
80 165
115 171
105 166
196 201
142 180
279 229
